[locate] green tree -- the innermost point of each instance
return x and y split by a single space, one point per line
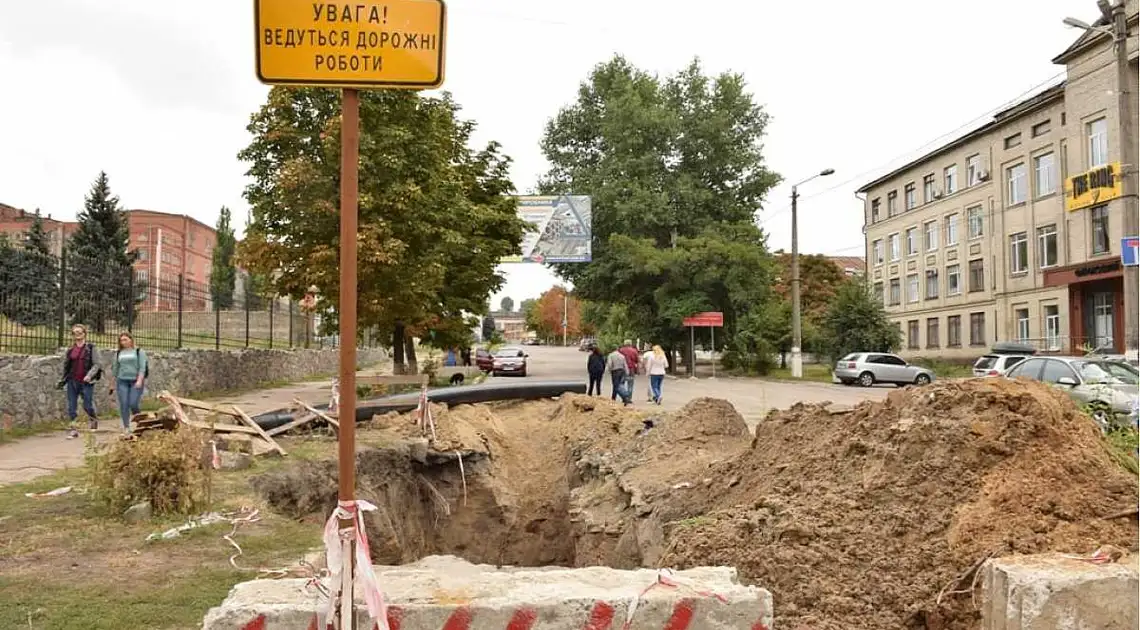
223 272
676 172
435 215
99 266
856 322
37 278
489 329
507 304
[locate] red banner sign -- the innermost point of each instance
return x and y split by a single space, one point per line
705 320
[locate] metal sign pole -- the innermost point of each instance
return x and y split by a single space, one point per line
346 441
712 351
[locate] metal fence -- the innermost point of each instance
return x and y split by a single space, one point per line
42 296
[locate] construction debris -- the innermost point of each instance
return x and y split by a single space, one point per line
227 422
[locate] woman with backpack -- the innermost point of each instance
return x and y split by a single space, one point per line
130 370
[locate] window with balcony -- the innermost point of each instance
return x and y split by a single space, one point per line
1047 245
1015 184
1045 175
953 280
1018 253
977 276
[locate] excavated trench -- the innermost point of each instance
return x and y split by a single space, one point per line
567 483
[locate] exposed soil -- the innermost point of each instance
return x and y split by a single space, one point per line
856 520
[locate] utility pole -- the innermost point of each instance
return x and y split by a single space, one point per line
1128 165
565 317
797 356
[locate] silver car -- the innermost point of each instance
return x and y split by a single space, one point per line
1106 388
868 368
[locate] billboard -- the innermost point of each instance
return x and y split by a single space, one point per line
559 229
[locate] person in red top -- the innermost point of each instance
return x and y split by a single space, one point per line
80 371
632 362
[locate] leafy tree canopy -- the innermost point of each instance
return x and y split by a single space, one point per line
223 272
856 322
100 264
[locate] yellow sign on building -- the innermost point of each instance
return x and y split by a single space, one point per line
1095 186
355 44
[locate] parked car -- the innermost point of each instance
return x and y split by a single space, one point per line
1106 388
1001 358
587 344
509 360
483 359
868 368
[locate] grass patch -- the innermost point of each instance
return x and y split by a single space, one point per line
1122 446
14 433
812 372
71 562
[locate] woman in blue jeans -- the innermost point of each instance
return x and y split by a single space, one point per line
130 370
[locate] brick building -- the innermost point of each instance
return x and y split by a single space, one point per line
15 222
170 245
1013 231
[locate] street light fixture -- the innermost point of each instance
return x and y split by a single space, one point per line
797 352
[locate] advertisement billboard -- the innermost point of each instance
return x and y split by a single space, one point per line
559 229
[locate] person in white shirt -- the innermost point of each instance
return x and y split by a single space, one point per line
656 365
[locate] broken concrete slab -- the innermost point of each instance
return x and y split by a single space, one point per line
1055 592
443 591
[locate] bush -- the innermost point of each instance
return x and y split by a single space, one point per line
162 467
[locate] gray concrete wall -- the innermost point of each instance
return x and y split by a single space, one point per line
28 393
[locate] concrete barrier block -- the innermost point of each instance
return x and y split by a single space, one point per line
446 593
1052 592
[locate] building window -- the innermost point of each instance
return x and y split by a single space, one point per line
932 284
909 197
974 222
953 280
1013 141
1021 320
1018 253
912 288
932 337
912 241
928 188
952 230
951 173
142 275
1041 128
977 276
912 334
893 239
144 255
1015 178
1045 174
1052 327
1047 245
896 292
1099 216
877 292
875 210
977 329
931 235
892 203
954 331
973 170
1098 142
877 251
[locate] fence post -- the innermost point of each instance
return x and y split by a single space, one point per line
179 311
290 303
217 327
131 300
272 307
247 315
62 295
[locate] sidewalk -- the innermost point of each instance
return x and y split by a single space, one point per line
39 455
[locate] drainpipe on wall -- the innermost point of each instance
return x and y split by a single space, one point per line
157 281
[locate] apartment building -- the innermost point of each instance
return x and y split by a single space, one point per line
15 222
170 245
1011 232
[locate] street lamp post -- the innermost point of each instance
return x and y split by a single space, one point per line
797 341
1116 16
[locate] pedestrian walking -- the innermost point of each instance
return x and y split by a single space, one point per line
465 355
131 370
633 363
595 369
617 366
80 371
656 366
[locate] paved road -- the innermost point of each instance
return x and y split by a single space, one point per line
752 397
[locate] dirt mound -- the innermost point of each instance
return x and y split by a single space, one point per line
861 519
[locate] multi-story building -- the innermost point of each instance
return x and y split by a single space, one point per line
15 222
1012 232
170 245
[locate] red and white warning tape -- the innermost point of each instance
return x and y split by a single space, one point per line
365 576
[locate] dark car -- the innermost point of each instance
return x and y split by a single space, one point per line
483 360
509 360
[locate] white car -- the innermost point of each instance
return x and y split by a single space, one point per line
996 364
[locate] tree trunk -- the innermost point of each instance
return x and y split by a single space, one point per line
670 360
398 348
783 360
410 352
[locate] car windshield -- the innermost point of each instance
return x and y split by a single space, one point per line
1104 373
985 362
508 353
851 357
1122 372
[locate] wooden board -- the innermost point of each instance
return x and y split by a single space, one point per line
253 425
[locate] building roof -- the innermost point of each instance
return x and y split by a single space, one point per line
1089 38
1003 116
169 214
855 264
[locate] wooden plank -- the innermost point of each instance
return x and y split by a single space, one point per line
222 428
323 416
205 406
303 420
240 415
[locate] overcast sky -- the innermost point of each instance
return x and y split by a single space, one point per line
158 93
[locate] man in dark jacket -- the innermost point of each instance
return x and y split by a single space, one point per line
80 371
595 368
